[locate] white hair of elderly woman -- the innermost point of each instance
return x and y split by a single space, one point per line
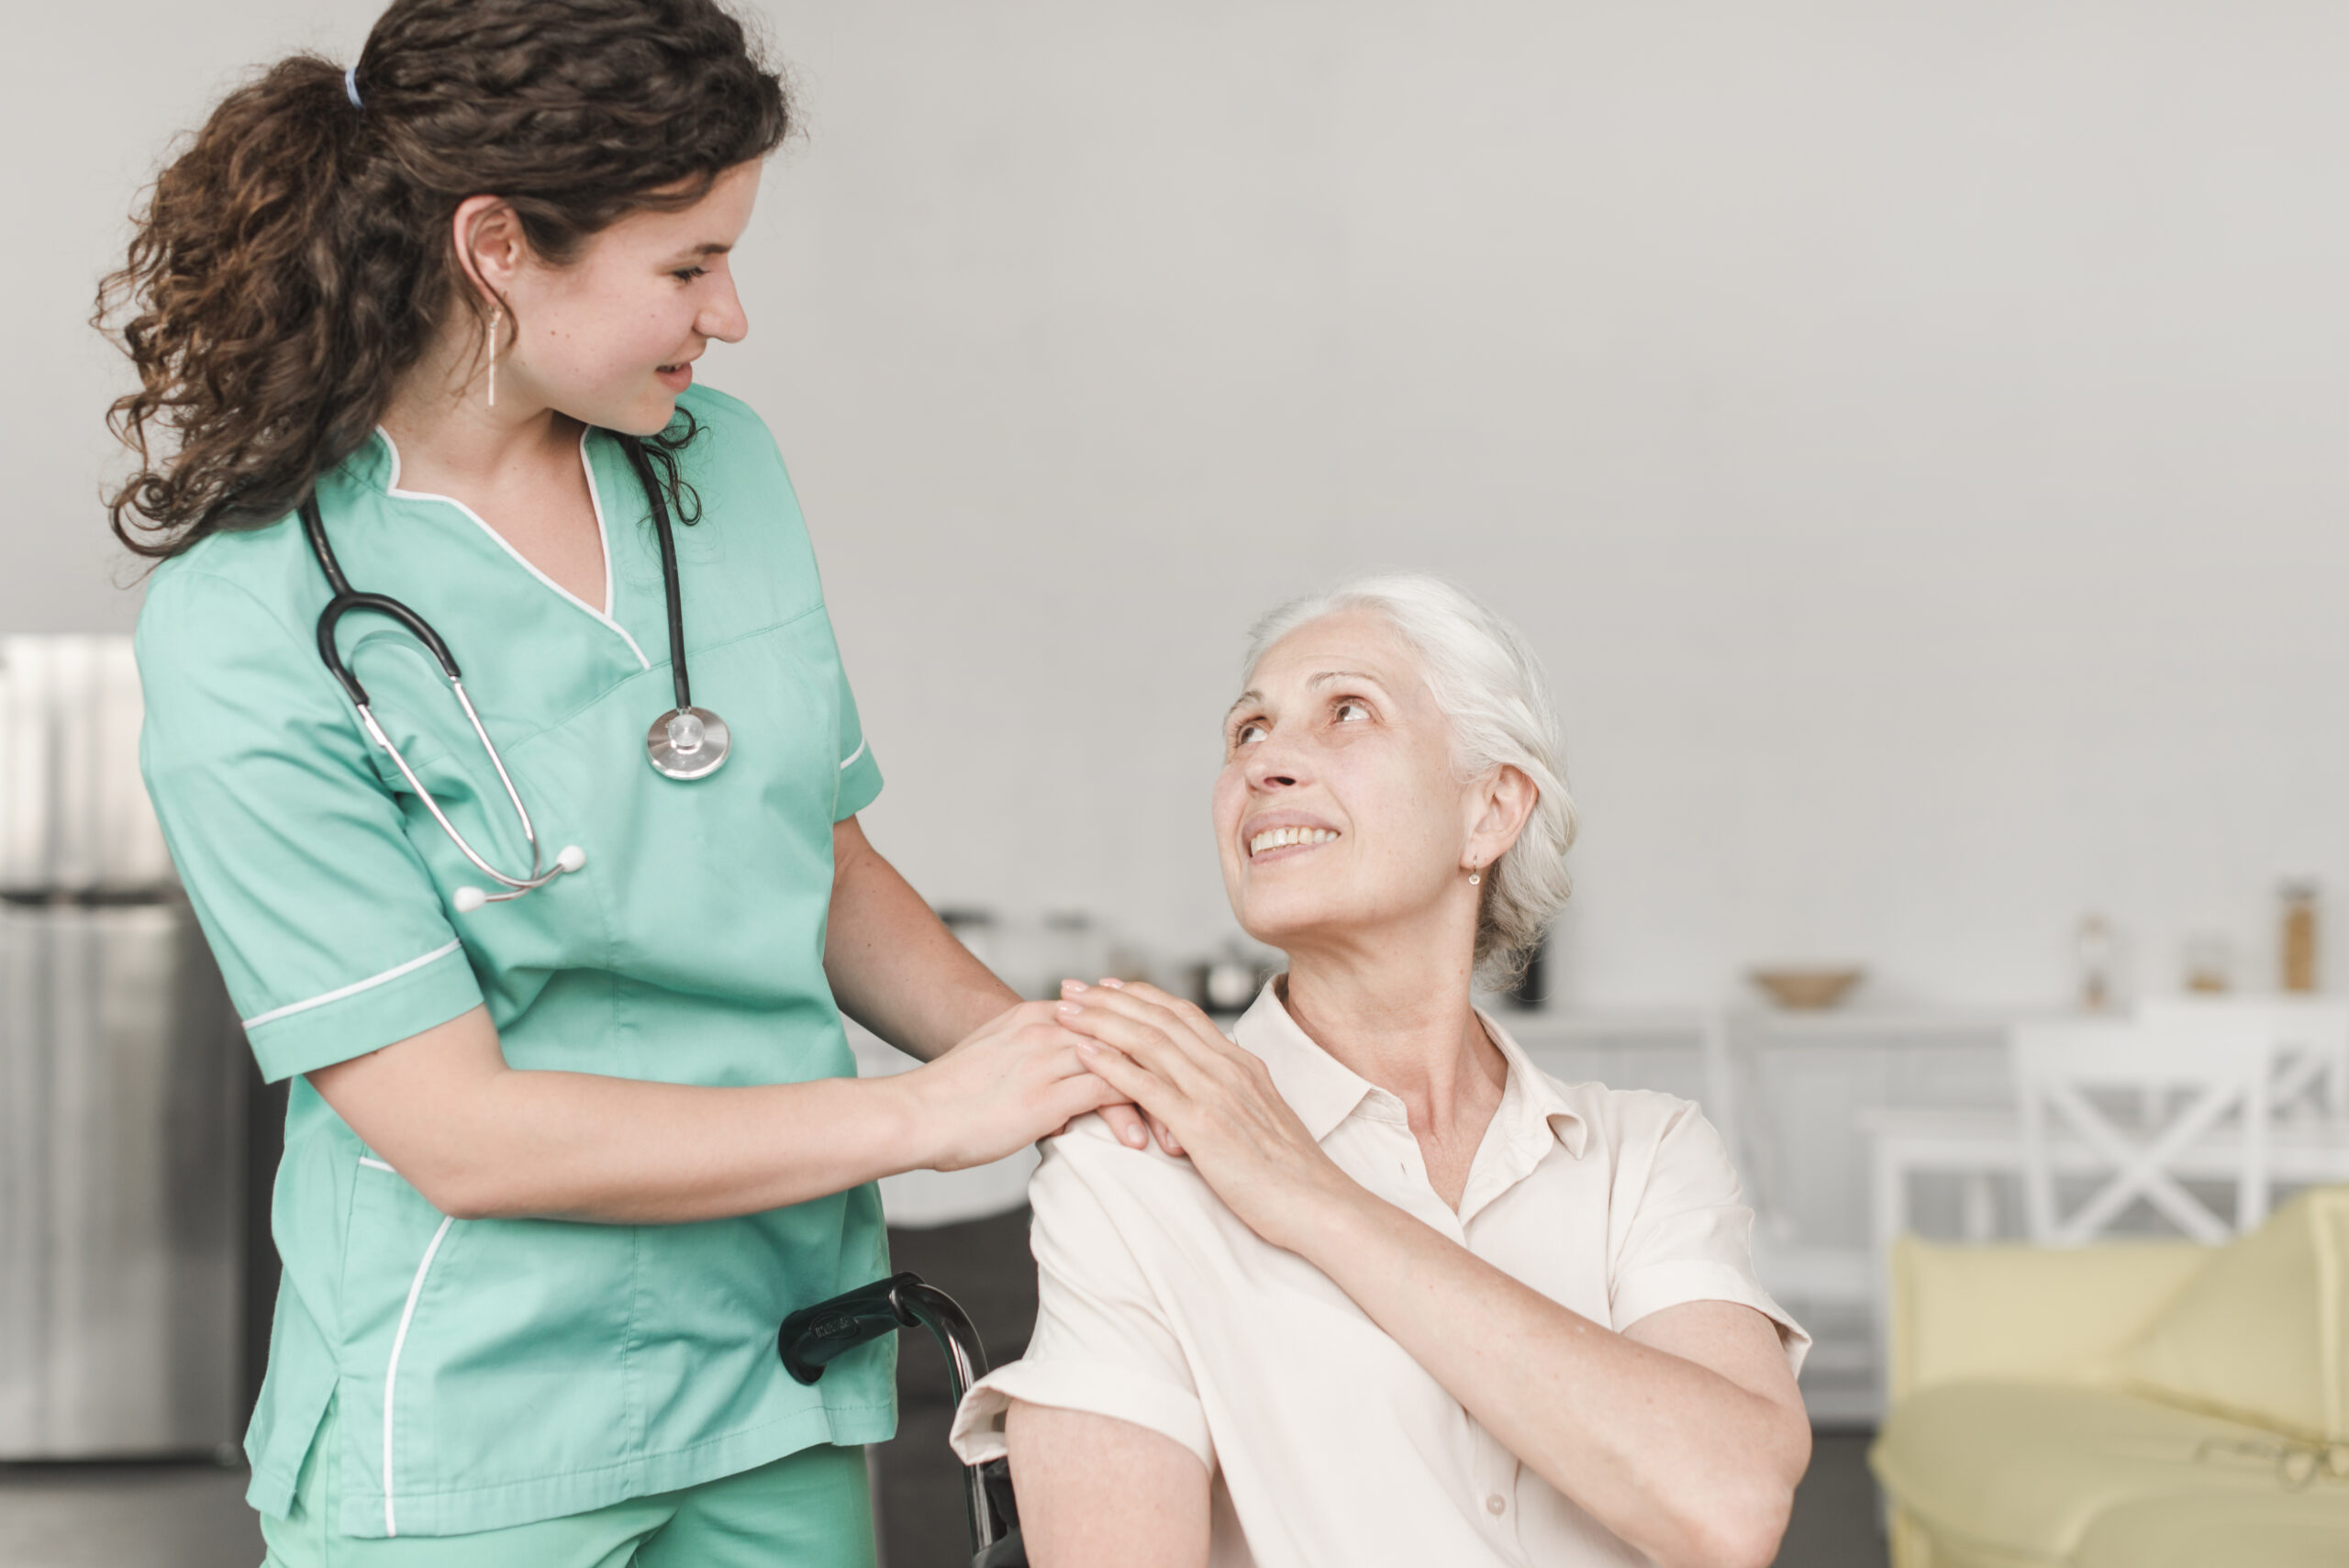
1489 685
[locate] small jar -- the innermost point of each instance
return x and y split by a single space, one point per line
2210 963
2296 944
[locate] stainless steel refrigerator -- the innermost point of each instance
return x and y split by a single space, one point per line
123 1092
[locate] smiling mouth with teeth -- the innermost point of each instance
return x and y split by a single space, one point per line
1281 838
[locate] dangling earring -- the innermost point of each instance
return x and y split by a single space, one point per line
497 315
1474 877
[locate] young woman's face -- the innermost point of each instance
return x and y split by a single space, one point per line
611 338
1339 806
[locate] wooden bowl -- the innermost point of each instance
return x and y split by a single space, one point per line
1806 990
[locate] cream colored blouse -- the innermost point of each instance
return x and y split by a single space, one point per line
1327 1443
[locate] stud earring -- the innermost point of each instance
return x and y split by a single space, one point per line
489 343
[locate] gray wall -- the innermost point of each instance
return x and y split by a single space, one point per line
1912 434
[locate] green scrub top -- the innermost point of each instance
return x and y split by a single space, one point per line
491 1373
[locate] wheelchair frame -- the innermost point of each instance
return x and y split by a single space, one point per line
813 1337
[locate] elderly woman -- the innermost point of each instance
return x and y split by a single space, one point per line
1386 1293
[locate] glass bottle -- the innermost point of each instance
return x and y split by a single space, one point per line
2297 943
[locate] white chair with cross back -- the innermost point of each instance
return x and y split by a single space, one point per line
2309 1088
2141 1111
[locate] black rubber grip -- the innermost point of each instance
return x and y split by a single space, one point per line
814 1337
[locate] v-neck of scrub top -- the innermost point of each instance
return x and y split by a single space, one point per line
608 615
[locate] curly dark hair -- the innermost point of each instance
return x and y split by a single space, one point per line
296 257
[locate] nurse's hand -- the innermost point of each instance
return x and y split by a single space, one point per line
1017 1078
1220 1101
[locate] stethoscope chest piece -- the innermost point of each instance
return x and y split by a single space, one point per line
688 743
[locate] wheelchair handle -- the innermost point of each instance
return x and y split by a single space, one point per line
814 1337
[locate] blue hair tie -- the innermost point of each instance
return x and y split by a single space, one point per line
350 85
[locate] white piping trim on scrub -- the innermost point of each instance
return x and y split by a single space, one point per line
375 1164
356 986
603 534
392 1369
392 487
852 756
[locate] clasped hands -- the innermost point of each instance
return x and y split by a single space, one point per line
1209 1099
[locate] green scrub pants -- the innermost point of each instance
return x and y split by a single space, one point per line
812 1508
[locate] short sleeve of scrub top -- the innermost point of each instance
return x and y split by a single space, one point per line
332 939
489 1373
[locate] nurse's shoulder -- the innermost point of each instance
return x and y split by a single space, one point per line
261 567
232 600
227 644
257 581
737 466
735 434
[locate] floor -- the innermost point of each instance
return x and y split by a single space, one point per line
1836 1522
193 1516
126 1516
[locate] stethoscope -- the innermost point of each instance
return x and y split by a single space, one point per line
687 742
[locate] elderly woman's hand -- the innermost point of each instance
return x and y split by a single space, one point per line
1217 1099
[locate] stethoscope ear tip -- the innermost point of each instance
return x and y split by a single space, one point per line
572 858
469 899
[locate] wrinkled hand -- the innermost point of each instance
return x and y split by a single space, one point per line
1217 1099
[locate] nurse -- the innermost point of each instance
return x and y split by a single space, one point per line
555 1164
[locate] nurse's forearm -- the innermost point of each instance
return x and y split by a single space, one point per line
481 1140
893 965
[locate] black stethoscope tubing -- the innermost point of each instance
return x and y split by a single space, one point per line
653 492
346 600
687 742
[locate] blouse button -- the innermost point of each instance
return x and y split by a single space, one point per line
1496 1504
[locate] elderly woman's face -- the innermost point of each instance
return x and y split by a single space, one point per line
1339 806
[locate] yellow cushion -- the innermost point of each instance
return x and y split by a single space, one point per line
1997 1472
1970 1311
2277 1528
2257 1334
1913 1546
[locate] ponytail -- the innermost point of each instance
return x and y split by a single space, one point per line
295 259
246 348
